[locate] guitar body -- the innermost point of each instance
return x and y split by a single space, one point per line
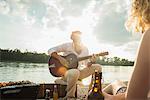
57 69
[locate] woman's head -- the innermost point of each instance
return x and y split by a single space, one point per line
139 17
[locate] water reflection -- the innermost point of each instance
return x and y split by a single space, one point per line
39 73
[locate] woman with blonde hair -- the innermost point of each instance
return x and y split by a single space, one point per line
139 84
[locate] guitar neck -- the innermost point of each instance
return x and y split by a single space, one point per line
84 58
87 57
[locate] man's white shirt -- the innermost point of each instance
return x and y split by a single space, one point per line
68 48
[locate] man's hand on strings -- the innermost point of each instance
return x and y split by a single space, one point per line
62 60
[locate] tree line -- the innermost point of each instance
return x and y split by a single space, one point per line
17 55
115 61
34 57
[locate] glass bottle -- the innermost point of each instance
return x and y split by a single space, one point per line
91 83
96 92
55 93
47 94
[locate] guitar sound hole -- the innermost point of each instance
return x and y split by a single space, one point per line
71 59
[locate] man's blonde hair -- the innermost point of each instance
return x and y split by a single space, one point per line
139 15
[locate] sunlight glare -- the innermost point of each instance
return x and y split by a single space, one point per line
86 81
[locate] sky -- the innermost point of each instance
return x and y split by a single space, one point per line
37 25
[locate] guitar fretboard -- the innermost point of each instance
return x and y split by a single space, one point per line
87 57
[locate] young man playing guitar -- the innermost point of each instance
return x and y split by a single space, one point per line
71 76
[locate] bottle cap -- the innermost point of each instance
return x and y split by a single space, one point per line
96 70
55 86
47 90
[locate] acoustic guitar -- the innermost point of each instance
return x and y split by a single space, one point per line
58 69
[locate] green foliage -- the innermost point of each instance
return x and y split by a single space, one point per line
17 55
115 61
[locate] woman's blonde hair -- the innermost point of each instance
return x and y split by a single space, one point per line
139 15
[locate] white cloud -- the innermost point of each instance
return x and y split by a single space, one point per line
4 8
49 22
111 17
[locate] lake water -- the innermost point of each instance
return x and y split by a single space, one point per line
39 73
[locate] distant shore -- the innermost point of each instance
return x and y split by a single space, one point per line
7 55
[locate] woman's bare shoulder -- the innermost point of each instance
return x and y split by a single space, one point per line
146 35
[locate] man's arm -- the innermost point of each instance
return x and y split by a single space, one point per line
59 48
